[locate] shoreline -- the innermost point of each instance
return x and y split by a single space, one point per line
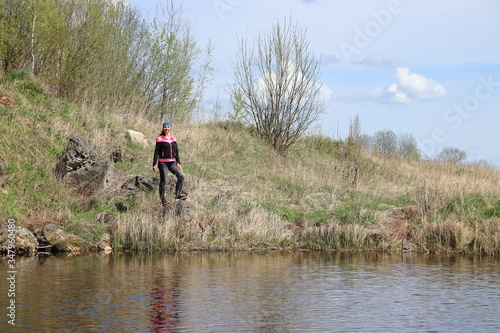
374 243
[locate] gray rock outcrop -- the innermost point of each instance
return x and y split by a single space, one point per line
78 154
52 237
99 176
81 168
138 182
49 234
25 242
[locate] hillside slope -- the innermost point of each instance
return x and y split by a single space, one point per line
323 194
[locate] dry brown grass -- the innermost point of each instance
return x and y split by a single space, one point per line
234 176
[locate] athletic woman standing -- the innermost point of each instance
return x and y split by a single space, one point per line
166 158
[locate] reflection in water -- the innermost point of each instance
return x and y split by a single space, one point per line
245 292
164 315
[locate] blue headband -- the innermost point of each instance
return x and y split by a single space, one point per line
167 123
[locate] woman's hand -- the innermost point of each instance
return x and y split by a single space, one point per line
155 167
179 166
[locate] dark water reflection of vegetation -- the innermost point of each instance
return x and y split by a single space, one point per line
273 292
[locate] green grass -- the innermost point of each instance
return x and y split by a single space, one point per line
493 210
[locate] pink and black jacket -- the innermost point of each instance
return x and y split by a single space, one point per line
166 150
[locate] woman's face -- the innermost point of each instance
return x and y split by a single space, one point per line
166 129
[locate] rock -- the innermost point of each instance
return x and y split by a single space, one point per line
6 100
51 236
408 245
26 243
99 176
120 154
81 168
138 183
70 246
107 249
78 154
137 137
180 209
104 243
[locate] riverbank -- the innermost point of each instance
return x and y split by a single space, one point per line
323 195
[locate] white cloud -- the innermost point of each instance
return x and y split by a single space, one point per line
408 88
292 74
417 86
325 93
396 95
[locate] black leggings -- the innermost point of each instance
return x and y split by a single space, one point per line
164 168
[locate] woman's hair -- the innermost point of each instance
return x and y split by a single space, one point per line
166 123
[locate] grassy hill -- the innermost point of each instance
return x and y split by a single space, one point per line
323 194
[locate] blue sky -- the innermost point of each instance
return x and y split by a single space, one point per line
426 68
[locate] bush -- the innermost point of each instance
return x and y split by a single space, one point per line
452 155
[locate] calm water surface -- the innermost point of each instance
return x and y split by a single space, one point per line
274 292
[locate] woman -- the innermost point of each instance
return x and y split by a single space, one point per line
165 158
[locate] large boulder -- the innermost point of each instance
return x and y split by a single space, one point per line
25 242
51 236
78 154
99 176
81 168
137 137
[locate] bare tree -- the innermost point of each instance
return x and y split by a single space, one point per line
452 155
386 142
276 81
407 146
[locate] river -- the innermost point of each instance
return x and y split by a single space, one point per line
250 292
